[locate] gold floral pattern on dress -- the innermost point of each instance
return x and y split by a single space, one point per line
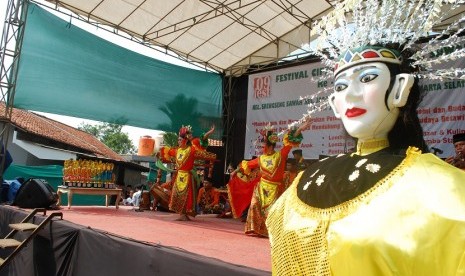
354 175
361 162
373 168
320 179
307 184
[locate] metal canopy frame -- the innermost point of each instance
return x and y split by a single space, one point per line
240 25
10 53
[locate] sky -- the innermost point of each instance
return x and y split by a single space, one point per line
134 133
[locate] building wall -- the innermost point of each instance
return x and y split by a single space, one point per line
133 178
25 158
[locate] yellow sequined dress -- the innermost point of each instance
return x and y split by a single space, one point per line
377 214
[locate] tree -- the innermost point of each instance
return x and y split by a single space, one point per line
111 135
184 111
181 111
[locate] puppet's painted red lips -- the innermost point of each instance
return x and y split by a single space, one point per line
354 112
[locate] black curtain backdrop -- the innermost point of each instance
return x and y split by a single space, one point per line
65 248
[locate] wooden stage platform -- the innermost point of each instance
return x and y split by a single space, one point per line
206 235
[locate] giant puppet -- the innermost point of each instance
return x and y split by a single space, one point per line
390 207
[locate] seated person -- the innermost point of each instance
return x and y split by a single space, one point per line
137 196
161 196
208 198
128 200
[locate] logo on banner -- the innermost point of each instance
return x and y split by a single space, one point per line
262 87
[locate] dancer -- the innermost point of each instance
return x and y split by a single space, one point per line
387 209
272 165
240 190
183 195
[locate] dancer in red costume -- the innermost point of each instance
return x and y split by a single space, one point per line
272 165
183 195
240 190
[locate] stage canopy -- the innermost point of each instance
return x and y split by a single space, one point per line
227 36
231 36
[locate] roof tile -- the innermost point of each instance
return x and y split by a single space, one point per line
45 127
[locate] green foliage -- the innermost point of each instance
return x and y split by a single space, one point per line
91 129
183 111
111 135
170 139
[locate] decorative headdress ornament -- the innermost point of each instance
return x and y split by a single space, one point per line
359 31
269 136
366 54
184 130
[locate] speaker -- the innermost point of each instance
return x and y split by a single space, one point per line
35 193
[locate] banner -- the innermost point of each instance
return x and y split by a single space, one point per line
276 98
442 112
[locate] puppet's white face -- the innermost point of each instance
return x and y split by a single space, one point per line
359 100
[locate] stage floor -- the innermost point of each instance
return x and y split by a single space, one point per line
207 235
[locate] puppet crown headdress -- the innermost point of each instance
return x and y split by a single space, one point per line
390 31
358 31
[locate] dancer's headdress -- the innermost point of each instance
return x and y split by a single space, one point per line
359 31
269 135
184 131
